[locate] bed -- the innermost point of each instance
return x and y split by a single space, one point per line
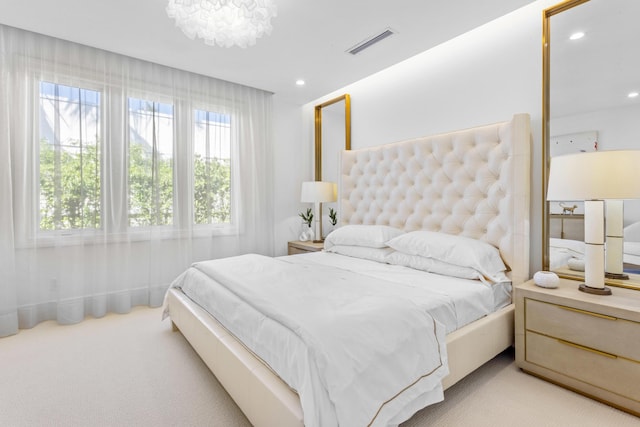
469 184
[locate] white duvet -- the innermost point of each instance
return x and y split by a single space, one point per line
360 349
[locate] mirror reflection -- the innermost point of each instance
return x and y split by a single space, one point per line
332 135
592 104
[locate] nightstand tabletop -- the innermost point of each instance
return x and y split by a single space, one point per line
623 302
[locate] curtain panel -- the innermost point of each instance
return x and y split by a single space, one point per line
116 174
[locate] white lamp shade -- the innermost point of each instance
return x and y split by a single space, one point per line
598 175
318 192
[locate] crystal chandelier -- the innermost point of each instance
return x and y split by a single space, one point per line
223 22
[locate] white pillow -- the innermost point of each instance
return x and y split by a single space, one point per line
632 232
452 249
373 254
370 236
433 265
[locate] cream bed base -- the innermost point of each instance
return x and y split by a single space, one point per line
473 182
266 400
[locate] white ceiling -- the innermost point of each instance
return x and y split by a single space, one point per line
597 71
308 41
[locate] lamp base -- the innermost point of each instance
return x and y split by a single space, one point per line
618 276
318 241
595 291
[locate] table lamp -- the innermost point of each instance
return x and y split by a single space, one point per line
318 192
593 178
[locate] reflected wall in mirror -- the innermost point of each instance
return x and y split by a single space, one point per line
332 135
591 71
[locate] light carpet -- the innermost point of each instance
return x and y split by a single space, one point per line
132 370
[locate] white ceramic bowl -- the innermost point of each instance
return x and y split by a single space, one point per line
546 279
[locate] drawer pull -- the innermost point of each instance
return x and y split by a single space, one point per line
581 347
588 313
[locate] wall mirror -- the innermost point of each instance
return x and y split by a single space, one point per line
332 135
591 71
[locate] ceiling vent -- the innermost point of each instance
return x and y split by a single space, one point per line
370 41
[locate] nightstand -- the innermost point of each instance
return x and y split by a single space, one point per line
298 247
586 343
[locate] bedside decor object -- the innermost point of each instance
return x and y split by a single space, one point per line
592 178
333 220
222 22
307 226
546 279
568 210
318 192
333 217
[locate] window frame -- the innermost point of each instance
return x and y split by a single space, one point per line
71 235
159 97
117 229
231 226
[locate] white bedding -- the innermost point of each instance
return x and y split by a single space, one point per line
467 300
340 384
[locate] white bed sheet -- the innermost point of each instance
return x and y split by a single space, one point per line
452 302
467 300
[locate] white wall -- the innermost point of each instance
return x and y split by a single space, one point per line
481 77
618 128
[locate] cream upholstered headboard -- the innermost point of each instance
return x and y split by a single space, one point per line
473 182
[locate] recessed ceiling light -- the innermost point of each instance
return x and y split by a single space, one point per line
300 82
633 94
576 36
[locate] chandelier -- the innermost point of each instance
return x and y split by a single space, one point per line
223 22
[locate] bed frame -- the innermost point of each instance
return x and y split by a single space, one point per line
473 182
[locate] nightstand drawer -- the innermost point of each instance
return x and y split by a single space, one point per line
298 247
593 330
294 251
589 366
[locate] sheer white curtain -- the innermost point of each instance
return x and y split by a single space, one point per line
116 174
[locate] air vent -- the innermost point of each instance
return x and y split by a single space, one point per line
370 41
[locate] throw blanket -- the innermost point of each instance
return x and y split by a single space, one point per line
367 349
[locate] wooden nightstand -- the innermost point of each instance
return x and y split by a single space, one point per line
587 343
298 247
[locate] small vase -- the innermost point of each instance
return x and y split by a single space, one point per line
306 232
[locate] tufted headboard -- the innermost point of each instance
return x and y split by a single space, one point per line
473 182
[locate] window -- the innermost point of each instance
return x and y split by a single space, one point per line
69 157
150 163
212 168
173 168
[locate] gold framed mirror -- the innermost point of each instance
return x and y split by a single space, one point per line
332 134
589 71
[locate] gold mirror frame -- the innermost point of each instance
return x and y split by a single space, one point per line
546 137
318 129
546 111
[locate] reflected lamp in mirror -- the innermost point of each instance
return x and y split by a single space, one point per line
594 178
614 242
318 192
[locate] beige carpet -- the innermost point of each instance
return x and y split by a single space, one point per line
132 370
